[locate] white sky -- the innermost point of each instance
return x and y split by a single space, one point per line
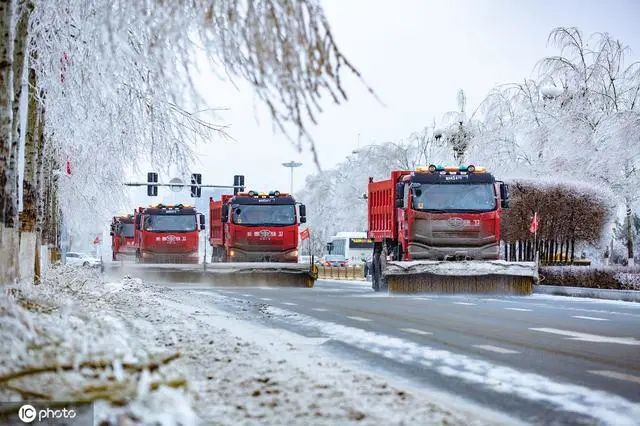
416 55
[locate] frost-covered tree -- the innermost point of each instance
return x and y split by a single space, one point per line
112 84
579 119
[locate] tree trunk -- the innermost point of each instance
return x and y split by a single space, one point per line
629 232
573 243
39 190
28 233
7 188
19 44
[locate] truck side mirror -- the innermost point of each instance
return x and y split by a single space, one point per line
303 213
111 233
399 203
504 195
201 217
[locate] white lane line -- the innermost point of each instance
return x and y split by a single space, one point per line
266 299
359 319
416 331
464 303
496 349
319 309
518 309
247 295
616 375
423 298
589 318
289 303
586 337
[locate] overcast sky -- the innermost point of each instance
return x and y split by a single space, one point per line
416 55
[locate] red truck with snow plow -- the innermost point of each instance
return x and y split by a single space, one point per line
255 227
122 237
167 234
421 220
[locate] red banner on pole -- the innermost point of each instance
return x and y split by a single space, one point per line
97 240
533 228
305 234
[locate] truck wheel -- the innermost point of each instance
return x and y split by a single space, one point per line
138 256
375 260
113 257
382 281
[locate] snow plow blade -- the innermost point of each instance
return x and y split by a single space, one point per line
469 277
222 274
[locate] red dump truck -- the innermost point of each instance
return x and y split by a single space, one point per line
167 234
422 220
122 237
255 227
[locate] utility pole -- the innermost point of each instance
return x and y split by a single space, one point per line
292 165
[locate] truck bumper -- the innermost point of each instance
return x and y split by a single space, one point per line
239 255
486 252
152 257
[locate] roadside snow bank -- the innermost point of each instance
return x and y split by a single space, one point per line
69 339
154 355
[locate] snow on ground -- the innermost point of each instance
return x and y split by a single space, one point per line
157 355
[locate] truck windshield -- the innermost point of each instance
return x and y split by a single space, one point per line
126 230
454 197
278 214
170 223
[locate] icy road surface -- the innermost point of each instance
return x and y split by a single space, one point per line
543 359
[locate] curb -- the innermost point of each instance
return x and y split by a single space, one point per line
594 293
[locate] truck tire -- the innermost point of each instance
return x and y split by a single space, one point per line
113 256
375 260
382 281
376 269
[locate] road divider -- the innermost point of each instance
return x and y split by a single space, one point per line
594 293
352 273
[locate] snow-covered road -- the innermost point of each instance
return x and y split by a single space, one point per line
542 358
230 370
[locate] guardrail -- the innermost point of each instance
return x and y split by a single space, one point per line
355 272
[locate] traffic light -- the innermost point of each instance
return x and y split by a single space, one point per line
238 183
196 181
152 190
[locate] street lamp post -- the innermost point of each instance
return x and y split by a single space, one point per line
292 165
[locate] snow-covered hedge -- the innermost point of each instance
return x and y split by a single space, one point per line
616 278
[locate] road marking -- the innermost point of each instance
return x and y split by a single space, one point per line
496 349
586 337
319 309
463 303
616 375
248 295
518 309
589 318
359 319
416 331
266 299
289 303
423 298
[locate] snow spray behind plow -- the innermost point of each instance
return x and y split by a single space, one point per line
222 274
